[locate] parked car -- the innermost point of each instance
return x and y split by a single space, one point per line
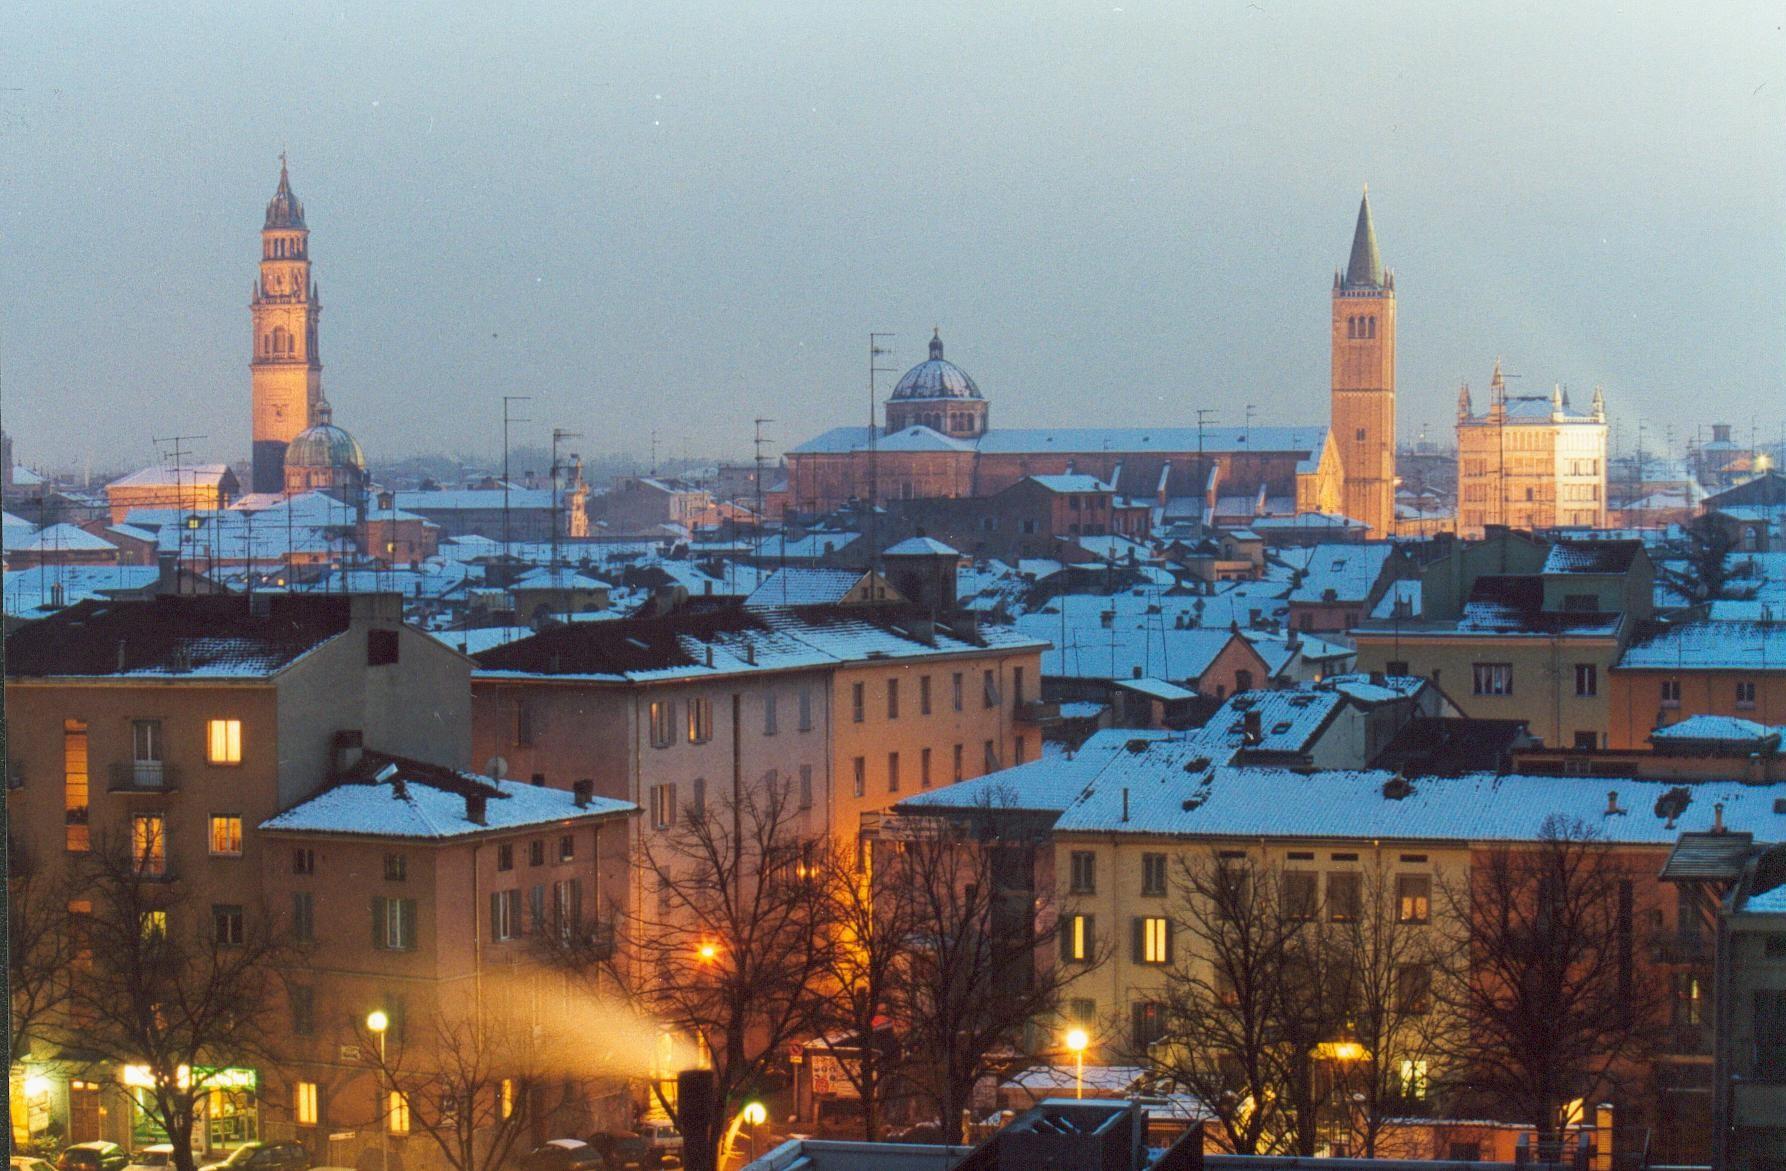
94 1156
31 1163
627 1152
664 1140
264 1157
562 1154
159 1157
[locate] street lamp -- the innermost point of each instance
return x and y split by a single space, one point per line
378 1023
1076 1043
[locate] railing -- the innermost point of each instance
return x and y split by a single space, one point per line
144 776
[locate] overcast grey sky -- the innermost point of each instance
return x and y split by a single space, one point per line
682 215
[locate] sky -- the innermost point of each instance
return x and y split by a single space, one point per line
678 217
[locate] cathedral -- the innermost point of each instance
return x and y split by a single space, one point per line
938 440
297 447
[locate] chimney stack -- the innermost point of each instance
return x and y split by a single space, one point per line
1252 725
474 808
584 790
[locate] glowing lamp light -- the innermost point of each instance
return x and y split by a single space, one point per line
36 1085
1340 1050
755 1114
377 1021
1077 1040
708 952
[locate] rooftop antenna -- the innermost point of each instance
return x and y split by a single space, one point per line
558 433
177 451
759 441
654 453
1202 486
507 418
876 351
1248 433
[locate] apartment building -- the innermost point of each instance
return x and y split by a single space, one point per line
1672 672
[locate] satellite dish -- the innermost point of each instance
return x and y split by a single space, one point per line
496 767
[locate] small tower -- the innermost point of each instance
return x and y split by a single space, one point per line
1363 385
285 367
1464 407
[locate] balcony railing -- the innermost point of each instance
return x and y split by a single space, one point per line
144 776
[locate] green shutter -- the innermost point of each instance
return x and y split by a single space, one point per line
378 933
1091 937
1066 939
1140 939
1168 941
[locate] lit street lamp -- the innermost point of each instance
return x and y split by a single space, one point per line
378 1022
1076 1042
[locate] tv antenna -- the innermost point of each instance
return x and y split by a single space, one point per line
508 418
876 351
177 451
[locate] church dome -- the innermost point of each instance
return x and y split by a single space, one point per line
324 445
936 378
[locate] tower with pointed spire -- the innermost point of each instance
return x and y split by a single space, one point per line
1363 384
285 366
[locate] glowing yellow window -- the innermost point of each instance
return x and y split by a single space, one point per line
508 1097
154 925
305 1106
226 834
398 1118
223 742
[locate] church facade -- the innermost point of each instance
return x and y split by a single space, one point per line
938 440
1529 461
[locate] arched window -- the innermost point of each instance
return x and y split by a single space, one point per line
1372 322
281 340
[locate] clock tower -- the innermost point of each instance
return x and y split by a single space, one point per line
286 367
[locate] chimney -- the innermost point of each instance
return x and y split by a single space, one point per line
710 654
1252 727
750 652
167 565
1125 802
584 790
123 659
399 789
539 780
349 746
1612 803
474 808
1718 818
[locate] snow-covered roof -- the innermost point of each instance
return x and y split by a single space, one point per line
29 591
796 586
810 547
1595 557
472 499
202 636
558 577
189 475
1723 646
1095 440
1349 570
1156 689
1072 482
1047 785
1147 643
1402 599
65 538
1725 730
1305 520
920 547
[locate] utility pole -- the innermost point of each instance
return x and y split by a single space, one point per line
1202 484
177 453
875 352
558 433
758 441
507 418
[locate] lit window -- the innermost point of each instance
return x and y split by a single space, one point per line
700 721
148 844
305 1105
74 783
399 1113
223 742
860 768
1078 938
663 723
1491 678
153 925
226 835
1153 940
506 1097
1413 1081
1413 897
663 806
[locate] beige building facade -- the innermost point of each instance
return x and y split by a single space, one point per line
1529 462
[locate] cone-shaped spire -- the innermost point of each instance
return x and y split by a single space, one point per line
1465 409
936 342
1365 268
284 211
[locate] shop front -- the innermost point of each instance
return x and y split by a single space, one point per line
228 1110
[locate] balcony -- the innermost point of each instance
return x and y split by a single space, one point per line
143 776
1036 711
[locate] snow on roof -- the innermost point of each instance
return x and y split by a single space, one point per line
478 639
920 547
1349 570
796 586
165 477
810 547
14 524
65 538
1095 440
1048 785
1592 556
177 636
1144 644
1305 520
1403 599
1716 729
472 499
418 801
1082 710
1727 646
1156 689
559 577
921 439
1072 482
28 591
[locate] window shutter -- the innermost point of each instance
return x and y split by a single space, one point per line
1168 941
1140 939
495 914
378 931
406 911
576 904
1066 938
1091 937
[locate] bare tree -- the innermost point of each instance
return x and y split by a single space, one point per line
166 984
468 1083
976 973
40 952
1555 1003
729 942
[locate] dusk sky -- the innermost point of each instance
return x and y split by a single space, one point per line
680 216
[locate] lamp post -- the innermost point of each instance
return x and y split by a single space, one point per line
1076 1042
378 1022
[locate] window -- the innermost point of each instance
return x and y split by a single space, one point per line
1745 694
74 783
1153 939
1082 1011
536 907
1020 750
1587 741
145 752
892 699
1413 988
663 806
956 681
226 835
303 860
1017 684
505 914
700 720
304 1104
223 742
1413 898
1491 678
152 926
924 768
303 1011
663 723
1153 875
398 1114
536 852
1078 939
1689 1000
958 763
1299 895
567 907
505 1095
226 924
1083 872
505 857
1671 693
1413 1083
923 695
1147 1022
1770 1035
769 713
1396 667
567 848
806 786
1361 434
859 767
858 702
1344 896
892 772
393 923
303 916
148 844
991 756
381 648
805 710
1587 679
989 687
523 724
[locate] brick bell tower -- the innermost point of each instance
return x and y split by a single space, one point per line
286 367
1363 402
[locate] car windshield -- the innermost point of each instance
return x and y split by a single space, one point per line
241 1155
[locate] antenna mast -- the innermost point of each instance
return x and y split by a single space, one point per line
177 453
506 420
875 352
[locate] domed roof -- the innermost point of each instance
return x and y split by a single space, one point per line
936 378
324 445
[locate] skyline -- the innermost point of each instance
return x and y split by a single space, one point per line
568 229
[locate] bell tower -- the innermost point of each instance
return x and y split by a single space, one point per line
1363 392
285 366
